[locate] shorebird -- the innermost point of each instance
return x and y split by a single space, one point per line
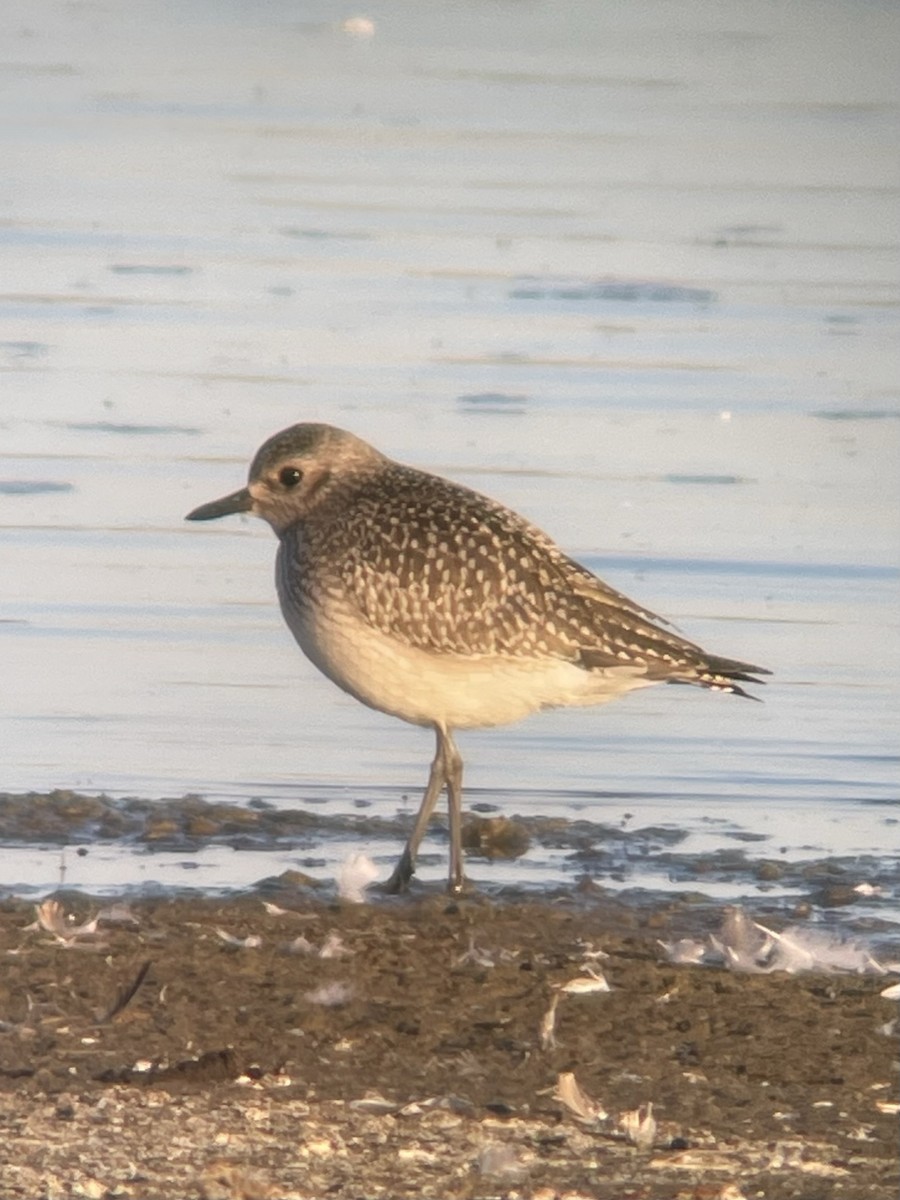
433 603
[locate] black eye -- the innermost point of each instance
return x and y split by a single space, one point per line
289 477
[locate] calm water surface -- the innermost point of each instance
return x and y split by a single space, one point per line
632 271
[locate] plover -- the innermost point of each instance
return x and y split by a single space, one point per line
433 603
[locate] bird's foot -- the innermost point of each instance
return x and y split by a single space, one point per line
456 886
402 874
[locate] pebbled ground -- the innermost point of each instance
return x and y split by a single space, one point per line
206 1048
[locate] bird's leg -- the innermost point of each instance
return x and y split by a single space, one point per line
453 771
406 867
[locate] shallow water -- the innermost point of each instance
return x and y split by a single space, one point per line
637 280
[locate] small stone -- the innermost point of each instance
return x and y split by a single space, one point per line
836 895
769 872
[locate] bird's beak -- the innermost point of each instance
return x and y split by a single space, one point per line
237 502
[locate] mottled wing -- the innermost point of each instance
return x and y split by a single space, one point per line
442 568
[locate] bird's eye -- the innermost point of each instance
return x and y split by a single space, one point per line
289 477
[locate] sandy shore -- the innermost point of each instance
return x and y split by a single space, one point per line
411 1048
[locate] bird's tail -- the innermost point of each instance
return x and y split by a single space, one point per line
723 675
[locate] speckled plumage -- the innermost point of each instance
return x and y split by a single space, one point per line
431 602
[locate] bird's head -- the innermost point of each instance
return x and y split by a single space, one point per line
292 473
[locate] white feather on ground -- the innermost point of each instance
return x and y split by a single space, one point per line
354 875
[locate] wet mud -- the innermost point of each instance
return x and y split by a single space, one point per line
855 895
283 1044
